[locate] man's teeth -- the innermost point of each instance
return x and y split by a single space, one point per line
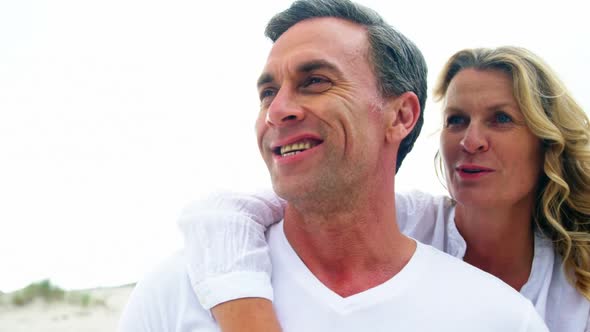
290 153
291 149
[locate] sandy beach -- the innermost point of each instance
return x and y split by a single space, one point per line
100 315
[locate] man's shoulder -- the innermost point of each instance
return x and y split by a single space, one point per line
159 301
454 274
455 284
167 279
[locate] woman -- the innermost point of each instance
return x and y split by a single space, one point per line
515 149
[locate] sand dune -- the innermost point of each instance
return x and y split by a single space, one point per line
101 316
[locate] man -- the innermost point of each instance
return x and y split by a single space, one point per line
341 98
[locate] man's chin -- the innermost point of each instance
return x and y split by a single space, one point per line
305 193
292 190
287 191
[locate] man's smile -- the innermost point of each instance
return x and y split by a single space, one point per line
296 147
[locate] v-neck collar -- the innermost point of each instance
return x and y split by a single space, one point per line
284 258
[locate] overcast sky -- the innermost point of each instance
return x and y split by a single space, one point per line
114 114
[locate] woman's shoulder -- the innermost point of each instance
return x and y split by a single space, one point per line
562 306
421 199
417 207
427 218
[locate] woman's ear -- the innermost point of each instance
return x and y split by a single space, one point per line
405 111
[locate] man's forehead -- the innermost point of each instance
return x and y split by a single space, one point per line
303 59
318 42
324 33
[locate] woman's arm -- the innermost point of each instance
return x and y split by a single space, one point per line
227 257
246 315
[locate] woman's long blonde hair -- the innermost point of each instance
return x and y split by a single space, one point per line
562 209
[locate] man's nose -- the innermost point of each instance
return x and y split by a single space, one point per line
475 139
284 110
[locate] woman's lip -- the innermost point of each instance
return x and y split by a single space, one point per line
473 167
470 171
465 174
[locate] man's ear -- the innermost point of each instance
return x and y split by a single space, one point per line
405 111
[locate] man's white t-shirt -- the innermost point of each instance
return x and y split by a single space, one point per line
230 228
433 292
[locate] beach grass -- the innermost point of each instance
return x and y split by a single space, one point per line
45 307
47 292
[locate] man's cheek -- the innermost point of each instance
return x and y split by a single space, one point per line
260 128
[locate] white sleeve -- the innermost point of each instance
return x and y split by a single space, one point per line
162 301
226 249
139 316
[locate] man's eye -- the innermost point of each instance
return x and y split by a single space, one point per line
266 93
455 120
316 84
313 80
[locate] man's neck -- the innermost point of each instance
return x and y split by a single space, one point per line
350 249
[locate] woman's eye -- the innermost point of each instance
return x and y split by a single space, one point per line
455 120
502 118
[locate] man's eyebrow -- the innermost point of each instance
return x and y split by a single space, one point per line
312 65
305 67
264 78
